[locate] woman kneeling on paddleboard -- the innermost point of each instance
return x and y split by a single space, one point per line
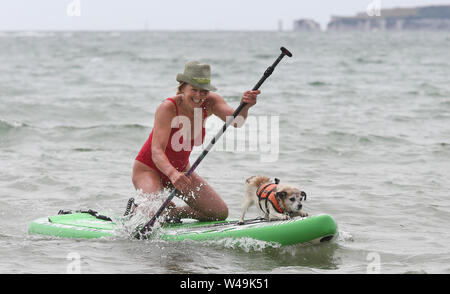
164 158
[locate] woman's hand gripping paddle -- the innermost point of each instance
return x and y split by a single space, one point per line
144 231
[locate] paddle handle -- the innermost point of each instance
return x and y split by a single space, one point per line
271 68
148 227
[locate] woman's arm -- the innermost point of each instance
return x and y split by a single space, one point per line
221 109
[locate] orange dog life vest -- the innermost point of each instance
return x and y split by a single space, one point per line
267 192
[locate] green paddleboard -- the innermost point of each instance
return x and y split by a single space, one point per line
312 229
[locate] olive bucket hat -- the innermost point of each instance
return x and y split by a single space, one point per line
198 75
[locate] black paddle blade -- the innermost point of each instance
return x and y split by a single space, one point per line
285 51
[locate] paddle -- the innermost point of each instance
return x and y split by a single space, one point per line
148 227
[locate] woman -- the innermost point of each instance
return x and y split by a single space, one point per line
164 158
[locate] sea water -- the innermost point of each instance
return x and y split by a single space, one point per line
360 121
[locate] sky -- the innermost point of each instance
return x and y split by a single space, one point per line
66 15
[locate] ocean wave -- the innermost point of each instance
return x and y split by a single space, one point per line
5 125
364 60
81 149
445 103
365 139
318 84
108 126
132 56
351 138
323 151
50 133
263 56
441 149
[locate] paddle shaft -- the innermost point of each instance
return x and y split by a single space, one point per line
148 227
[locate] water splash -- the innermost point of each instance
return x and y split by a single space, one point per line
147 206
245 243
7 125
343 236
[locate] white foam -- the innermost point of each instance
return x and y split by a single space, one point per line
245 243
344 237
148 205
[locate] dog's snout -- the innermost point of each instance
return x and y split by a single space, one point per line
300 206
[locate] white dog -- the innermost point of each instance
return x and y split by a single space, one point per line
277 201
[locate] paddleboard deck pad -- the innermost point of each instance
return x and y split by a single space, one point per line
89 224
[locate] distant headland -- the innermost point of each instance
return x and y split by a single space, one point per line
433 18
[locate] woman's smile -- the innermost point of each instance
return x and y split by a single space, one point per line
196 100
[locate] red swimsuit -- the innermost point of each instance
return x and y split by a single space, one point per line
178 159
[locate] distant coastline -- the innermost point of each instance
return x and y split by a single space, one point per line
430 18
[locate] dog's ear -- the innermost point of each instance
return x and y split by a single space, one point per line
281 195
303 195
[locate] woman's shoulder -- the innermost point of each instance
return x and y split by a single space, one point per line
214 97
211 100
169 106
174 101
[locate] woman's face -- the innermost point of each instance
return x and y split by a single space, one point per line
194 95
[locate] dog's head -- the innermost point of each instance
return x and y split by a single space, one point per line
290 198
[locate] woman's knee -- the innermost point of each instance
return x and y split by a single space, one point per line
222 214
217 207
213 214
